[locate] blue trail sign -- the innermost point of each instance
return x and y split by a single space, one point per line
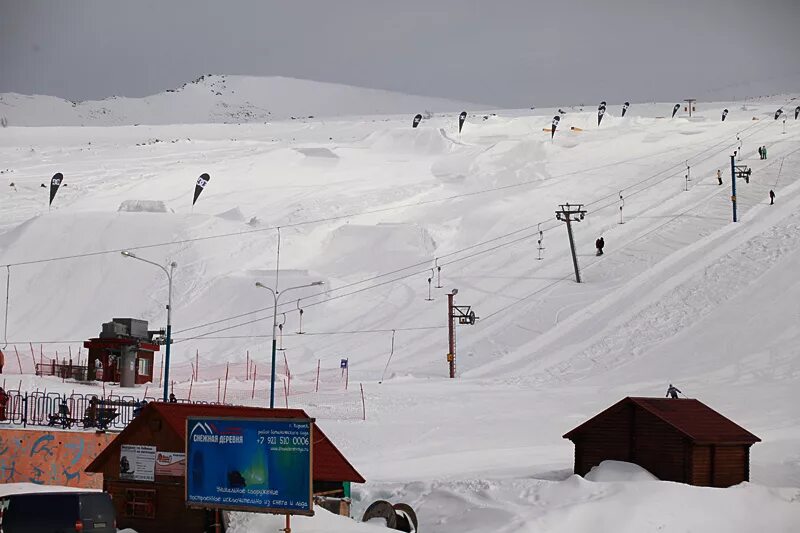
258 465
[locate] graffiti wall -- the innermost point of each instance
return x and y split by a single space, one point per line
51 457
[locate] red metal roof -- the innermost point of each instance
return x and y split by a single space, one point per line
328 462
690 417
115 343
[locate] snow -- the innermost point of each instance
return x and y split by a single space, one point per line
371 207
7 489
619 471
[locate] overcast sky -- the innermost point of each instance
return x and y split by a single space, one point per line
505 53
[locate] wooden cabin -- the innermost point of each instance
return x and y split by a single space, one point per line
159 505
680 440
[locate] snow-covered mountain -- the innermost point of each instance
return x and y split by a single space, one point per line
220 99
372 207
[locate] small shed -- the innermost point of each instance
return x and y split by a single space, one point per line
123 353
158 505
680 440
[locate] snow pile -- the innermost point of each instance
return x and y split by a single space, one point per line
143 206
322 522
608 471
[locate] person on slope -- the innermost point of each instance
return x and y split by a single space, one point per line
760 153
599 243
672 392
771 197
719 176
764 151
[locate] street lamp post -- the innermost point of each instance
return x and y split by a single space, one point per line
169 273
275 297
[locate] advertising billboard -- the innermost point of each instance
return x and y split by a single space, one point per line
259 465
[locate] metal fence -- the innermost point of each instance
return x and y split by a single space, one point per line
44 409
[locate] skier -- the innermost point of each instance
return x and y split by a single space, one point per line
719 176
760 153
764 151
599 243
673 391
771 197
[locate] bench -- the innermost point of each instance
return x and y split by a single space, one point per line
62 420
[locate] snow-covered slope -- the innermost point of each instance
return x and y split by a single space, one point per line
372 207
220 99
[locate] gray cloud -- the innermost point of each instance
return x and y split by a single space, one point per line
508 53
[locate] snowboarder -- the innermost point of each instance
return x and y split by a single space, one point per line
599 243
719 176
673 391
771 197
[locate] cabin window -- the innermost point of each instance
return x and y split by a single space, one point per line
140 503
144 367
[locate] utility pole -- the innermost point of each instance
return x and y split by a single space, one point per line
570 213
465 315
733 185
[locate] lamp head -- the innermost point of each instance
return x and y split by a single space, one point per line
126 253
317 283
259 284
454 292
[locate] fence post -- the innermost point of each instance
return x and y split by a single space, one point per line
363 405
218 386
253 394
196 364
33 357
247 362
19 361
191 382
316 389
25 410
225 390
286 393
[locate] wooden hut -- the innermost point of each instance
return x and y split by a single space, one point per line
675 439
158 505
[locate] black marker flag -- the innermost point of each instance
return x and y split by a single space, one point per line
625 107
601 110
461 118
724 114
556 119
778 113
417 120
796 112
55 183
675 109
202 181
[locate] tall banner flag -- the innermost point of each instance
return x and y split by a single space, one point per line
556 120
461 118
778 113
724 114
797 112
417 120
601 110
625 107
202 181
675 109
55 183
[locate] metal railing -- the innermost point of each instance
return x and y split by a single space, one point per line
22 408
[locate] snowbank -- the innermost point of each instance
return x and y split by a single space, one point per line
608 471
